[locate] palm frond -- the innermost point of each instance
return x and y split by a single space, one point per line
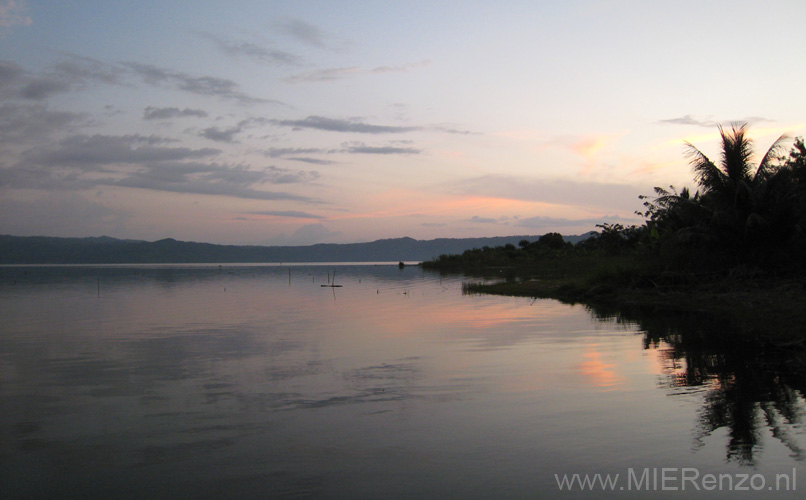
685 194
776 151
662 192
706 173
737 149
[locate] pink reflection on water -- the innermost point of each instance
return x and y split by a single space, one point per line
598 372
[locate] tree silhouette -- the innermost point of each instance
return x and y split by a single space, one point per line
751 384
743 215
797 161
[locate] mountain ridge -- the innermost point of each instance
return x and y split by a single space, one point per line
109 250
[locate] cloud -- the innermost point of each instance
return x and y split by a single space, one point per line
289 213
12 14
555 191
228 134
286 152
304 32
338 125
401 69
152 113
353 147
200 85
27 123
589 147
690 120
551 222
481 220
60 214
361 148
286 176
94 151
280 152
451 130
72 72
253 51
76 72
312 161
332 74
9 73
323 75
145 162
357 125
43 88
238 175
220 135
30 176
84 70
200 178
754 119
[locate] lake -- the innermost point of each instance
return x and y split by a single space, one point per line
256 382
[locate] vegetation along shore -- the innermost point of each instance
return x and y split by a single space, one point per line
735 247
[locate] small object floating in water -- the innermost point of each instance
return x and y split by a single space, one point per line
333 283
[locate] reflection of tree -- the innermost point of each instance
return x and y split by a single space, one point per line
750 381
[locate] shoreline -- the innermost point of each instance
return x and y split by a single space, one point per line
773 308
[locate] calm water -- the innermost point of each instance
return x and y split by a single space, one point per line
257 382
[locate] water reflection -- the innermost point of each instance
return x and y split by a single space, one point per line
233 382
599 372
751 381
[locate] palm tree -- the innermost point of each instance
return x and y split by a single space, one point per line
751 206
735 168
731 185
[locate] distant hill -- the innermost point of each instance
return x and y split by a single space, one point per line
106 250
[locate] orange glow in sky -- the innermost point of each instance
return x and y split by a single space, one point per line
310 122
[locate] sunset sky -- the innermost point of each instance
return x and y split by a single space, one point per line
277 123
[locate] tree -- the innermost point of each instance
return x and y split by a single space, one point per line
744 214
735 167
797 161
554 241
749 207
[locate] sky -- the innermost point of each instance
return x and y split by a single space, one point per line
294 123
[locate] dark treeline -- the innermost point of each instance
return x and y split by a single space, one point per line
743 220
